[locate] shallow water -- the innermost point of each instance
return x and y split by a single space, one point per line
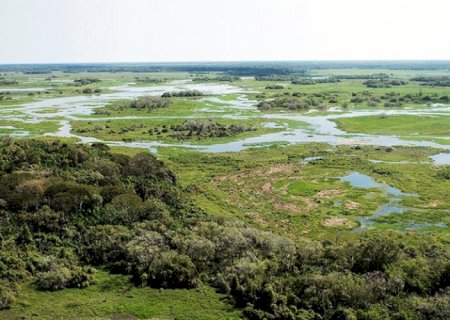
23 89
359 180
441 158
321 128
309 159
393 162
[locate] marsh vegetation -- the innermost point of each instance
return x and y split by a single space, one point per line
276 191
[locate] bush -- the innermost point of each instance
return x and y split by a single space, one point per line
63 277
172 270
8 294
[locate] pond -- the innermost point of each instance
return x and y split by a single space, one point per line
441 158
359 180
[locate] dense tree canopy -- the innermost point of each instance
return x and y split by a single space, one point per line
66 208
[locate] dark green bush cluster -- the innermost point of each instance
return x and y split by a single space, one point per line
91 91
384 83
186 93
8 294
433 81
292 103
65 208
149 80
275 86
86 81
64 277
51 193
202 129
394 99
148 103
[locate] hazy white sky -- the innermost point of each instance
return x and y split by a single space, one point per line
41 31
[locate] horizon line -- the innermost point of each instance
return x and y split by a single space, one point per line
225 61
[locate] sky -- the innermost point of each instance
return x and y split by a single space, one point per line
54 31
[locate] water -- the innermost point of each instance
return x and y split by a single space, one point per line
309 159
23 89
393 162
441 159
359 180
273 125
320 129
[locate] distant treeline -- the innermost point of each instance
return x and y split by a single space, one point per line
6 82
308 81
433 81
362 76
234 68
224 78
274 77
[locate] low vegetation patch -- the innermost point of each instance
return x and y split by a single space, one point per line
404 125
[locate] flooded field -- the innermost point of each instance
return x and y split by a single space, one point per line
319 128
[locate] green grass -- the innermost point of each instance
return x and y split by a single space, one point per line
401 125
127 150
114 297
269 188
140 133
37 128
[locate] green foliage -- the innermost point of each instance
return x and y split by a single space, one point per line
148 103
441 81
384 83
81 206
63 277
85 81
197 129
187 93
8 294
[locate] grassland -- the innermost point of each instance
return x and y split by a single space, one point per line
272 189
401 125
138 129
114 297
34 128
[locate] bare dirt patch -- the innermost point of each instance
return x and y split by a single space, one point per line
351 205
267 187
329 194
291 207
338 222
257 217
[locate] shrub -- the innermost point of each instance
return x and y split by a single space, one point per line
8 294
63 277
